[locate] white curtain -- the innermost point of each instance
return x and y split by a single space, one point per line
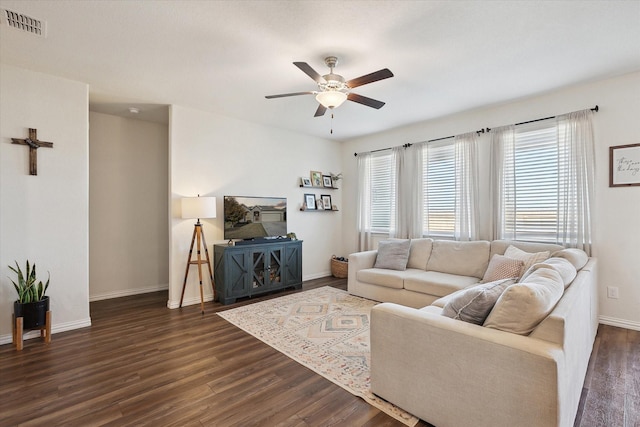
576 169
408 207
466 202
365 241
575 183
502 177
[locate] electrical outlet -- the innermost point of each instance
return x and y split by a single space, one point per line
612 292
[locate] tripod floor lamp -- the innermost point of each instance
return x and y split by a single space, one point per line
198 207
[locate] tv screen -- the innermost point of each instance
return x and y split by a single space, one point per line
254 217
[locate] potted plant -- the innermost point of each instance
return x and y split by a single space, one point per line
32 303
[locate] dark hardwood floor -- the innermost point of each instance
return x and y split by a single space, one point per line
143 364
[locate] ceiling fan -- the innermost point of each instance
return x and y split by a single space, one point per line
334 90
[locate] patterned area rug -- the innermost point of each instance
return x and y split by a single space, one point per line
324 329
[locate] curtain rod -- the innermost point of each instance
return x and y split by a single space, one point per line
431 140
594 109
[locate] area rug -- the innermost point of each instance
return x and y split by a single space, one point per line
324 329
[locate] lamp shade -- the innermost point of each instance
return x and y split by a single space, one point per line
331 98
198 207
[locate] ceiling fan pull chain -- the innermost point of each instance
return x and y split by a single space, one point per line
331 123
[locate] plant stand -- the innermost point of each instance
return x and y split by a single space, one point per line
45 330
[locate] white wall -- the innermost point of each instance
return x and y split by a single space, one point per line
617 210
44 218
213 155
128 198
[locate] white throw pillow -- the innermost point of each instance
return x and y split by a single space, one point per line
502 267
474 304
528 258
393 254
522 306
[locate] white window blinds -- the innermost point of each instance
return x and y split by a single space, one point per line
531 187
383 176
439 184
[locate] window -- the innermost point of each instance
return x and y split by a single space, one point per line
531 186
383 178
439 190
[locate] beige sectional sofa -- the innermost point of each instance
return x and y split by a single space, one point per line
450 372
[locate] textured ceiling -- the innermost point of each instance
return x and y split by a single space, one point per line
224 56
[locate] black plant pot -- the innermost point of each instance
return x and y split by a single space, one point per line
34 314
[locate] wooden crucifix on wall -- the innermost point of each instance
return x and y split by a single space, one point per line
33 144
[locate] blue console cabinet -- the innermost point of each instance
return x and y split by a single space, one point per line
254 269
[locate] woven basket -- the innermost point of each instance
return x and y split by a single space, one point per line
339 269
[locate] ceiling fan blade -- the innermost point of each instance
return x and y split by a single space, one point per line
369 102
306 68
370 78
320 111
289 94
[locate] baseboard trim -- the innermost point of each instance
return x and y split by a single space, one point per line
61 327
127 292
620 323
188 301
317 276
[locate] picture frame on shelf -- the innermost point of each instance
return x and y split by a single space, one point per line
319 204
309 201
306 182
326 181
624 165
326 201
316 178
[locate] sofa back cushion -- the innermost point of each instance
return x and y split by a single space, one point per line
500 246
419 253
566 270
577 257
462 258
522 306
393 254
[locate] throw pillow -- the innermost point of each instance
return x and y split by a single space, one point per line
393 254
522 306
502 267
474 304
528 258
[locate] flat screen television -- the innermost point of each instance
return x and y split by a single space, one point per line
249 218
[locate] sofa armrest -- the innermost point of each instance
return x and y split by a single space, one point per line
362 260
359 261
452 373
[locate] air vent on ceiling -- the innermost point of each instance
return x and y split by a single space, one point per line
25 23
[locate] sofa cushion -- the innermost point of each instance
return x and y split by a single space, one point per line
502 267
566 270
500 246
436 283
473 304
393 254
522 306
461 258
419 253
385 277
575 256
527 257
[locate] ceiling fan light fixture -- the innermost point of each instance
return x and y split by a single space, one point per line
331 98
